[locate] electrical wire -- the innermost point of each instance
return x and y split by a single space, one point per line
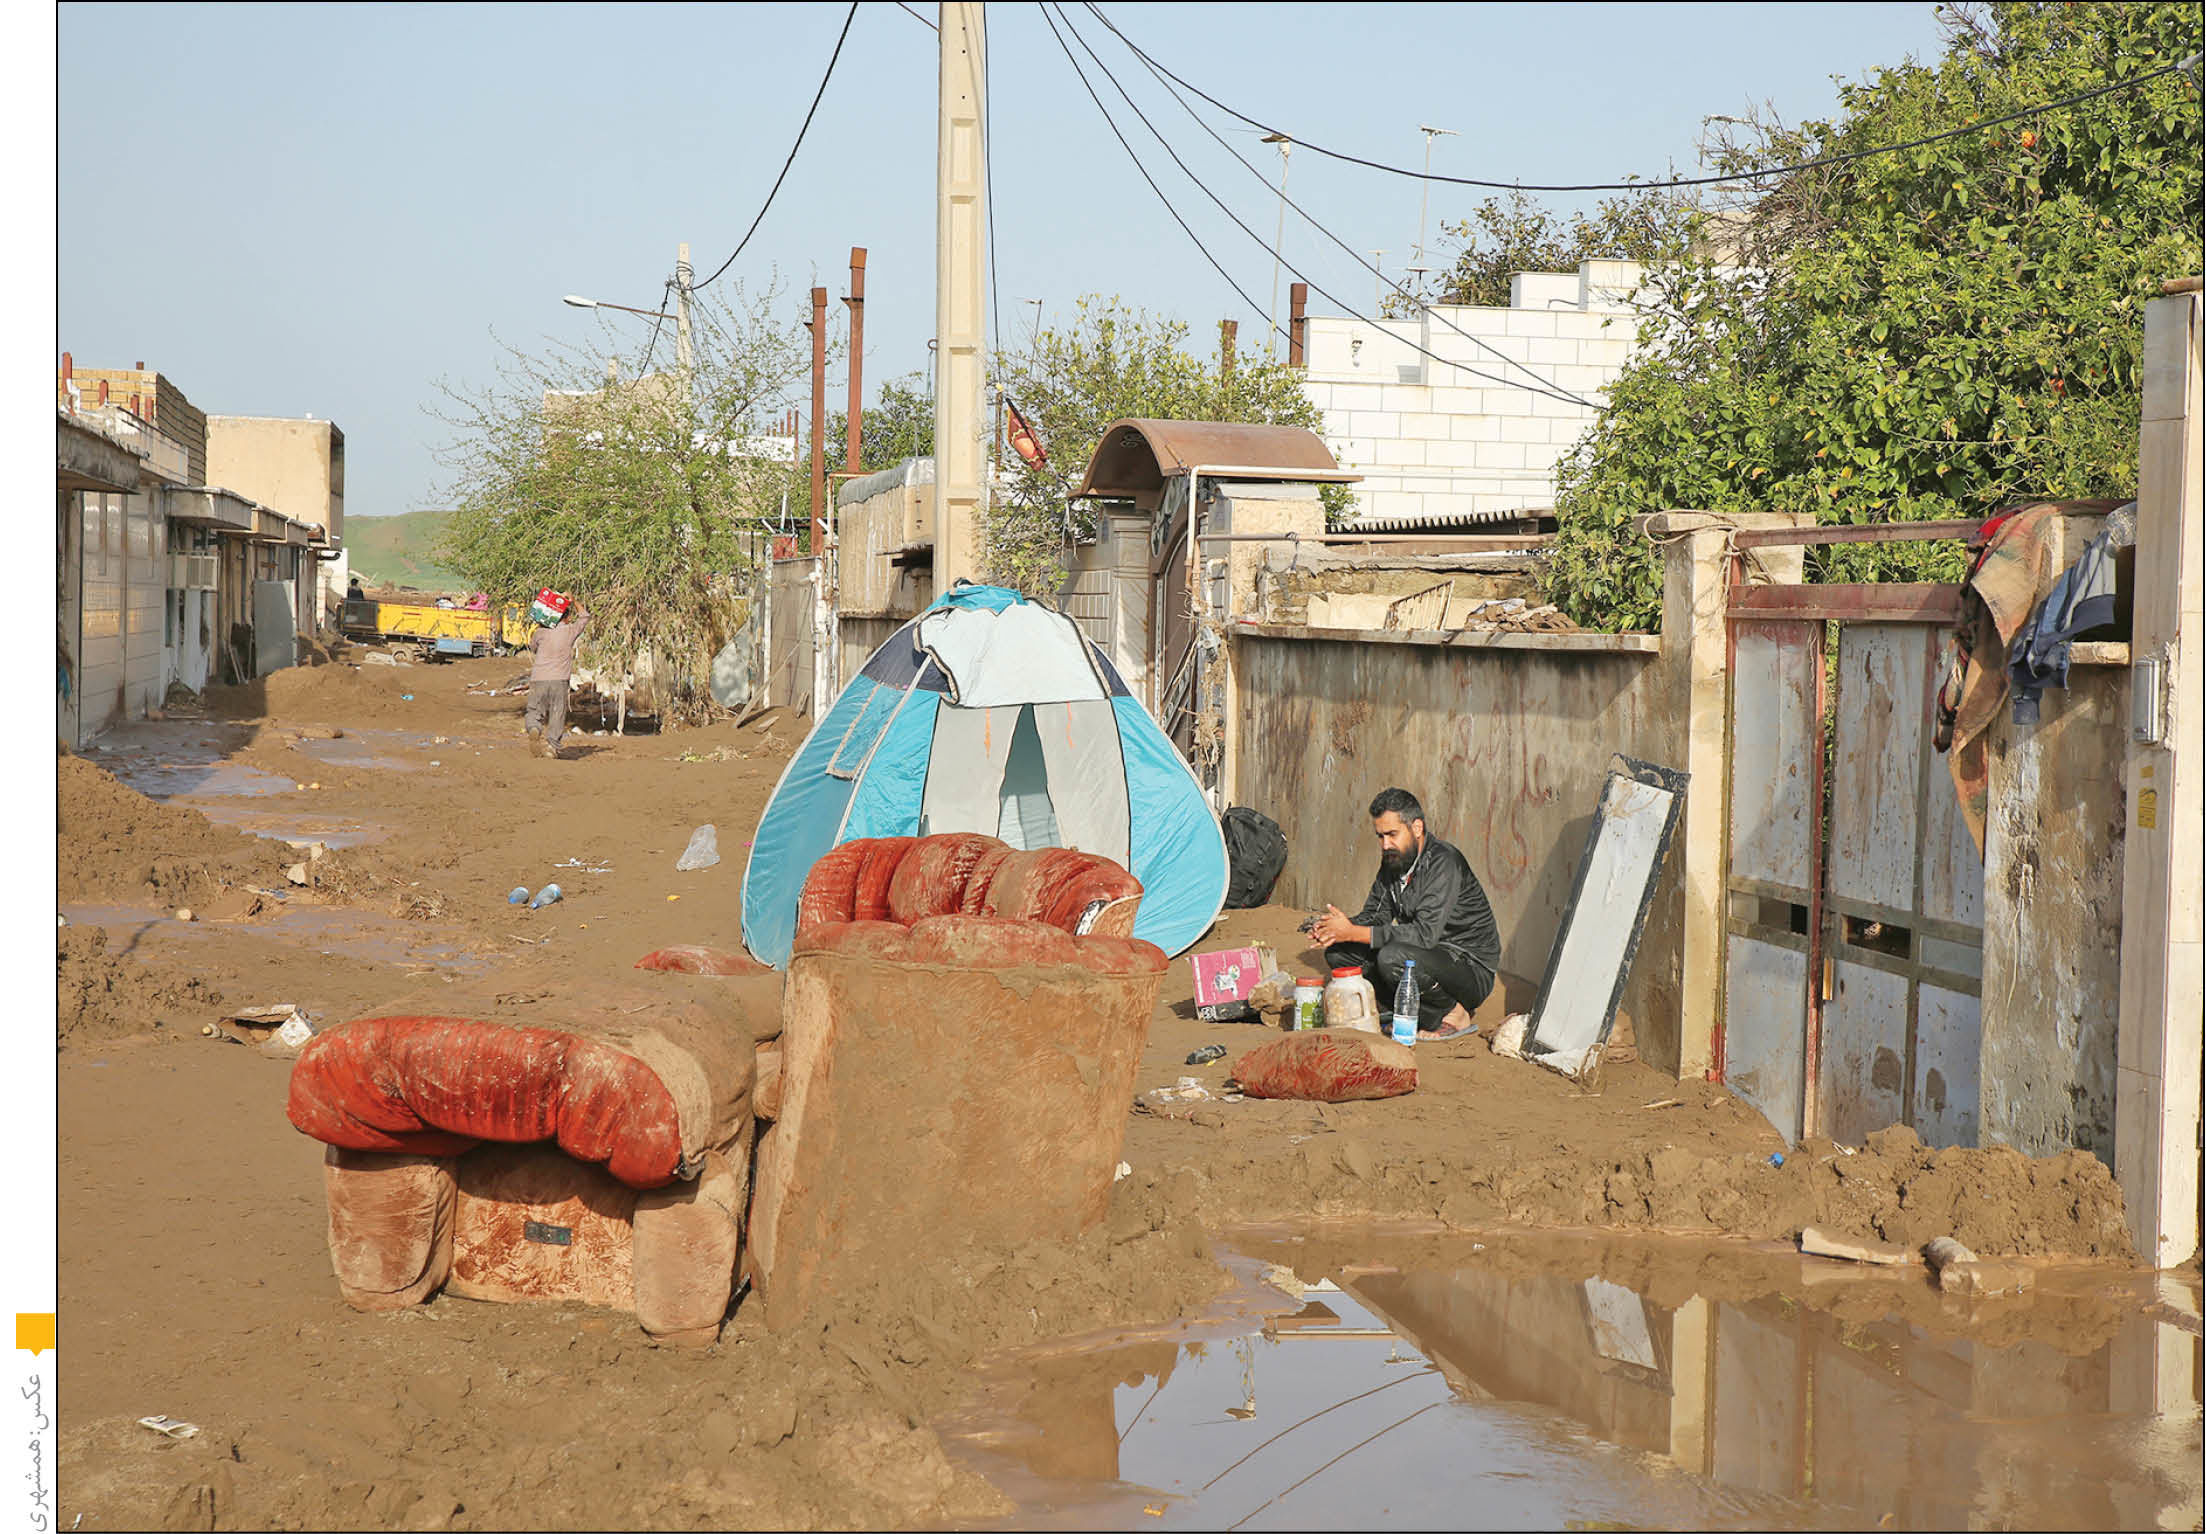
988 188
1254 306
793 148
1542 388
1674 181
1308 218
657 321
914 15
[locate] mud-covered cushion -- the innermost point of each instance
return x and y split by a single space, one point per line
639 1077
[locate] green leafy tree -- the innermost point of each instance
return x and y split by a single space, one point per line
898 425
1514 233
1915 335
580 470
1108 362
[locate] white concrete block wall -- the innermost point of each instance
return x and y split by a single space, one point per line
1464 434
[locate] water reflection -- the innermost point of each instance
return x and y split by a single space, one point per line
1473 1396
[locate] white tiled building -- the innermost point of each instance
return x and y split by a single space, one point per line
1439 445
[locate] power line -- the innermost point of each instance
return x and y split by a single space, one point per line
1549 390
1352 254
1254 306
793 148
914 15
988 186
1674 181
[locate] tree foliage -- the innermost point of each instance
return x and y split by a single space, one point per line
582 471
1514 233
1112 361
1914 335
898 425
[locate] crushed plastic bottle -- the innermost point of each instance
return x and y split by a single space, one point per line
544 897
519 895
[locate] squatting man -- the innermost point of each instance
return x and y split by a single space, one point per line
1425 904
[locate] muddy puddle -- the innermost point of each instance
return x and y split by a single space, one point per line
328 930
1538 1383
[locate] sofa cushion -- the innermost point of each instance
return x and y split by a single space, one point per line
639 1077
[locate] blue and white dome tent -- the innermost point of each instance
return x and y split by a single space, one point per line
990 713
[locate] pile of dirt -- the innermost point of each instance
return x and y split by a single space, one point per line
328 693
118 845
1995 1199
100 996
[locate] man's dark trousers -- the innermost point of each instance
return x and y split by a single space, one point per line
1443 978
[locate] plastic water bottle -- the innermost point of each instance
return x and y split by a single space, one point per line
519 895
1405 1005
544 897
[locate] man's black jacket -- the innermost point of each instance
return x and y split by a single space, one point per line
1440 905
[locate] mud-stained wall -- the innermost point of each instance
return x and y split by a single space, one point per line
2053 920
1506 743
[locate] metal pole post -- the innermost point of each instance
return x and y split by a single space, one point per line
818 325
1286 147
854 428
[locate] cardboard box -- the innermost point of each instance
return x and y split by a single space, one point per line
1225 978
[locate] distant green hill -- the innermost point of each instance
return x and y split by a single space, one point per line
400 551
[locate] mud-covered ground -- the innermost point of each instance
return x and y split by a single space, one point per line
194 1275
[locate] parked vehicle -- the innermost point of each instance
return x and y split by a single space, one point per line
437 632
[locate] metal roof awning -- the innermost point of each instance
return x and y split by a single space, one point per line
1135 457
1436 521
216 510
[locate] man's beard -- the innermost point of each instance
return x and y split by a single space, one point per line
1396 864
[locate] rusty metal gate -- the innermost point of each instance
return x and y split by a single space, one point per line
1854 894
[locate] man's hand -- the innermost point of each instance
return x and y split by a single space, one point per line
1334 927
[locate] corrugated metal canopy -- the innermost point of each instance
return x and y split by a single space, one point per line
1433 521
1137 456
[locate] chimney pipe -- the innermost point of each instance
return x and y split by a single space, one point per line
854 428
1298 322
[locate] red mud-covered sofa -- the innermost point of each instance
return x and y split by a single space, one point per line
949 1058
592 1147
960 1033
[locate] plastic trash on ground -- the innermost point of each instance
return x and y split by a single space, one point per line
702 852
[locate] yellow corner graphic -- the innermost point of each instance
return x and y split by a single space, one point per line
34 1331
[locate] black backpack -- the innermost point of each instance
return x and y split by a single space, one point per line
1256 850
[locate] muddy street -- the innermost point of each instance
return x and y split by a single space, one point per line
1513 1300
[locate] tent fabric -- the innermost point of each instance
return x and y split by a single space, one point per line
1020 654
1008 723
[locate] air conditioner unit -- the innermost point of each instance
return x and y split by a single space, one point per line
192 572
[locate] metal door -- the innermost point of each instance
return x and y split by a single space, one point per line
1854 948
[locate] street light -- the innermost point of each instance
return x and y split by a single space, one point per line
1286 148
1424 198
579 302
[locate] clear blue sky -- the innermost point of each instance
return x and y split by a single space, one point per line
318 210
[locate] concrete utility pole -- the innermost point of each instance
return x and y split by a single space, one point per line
961 246
1298 323
1227 331
855 426
682 355
818 327
1279 238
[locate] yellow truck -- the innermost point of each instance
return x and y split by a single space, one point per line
438 632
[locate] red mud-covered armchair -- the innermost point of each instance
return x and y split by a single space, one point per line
588 1146
961 1028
